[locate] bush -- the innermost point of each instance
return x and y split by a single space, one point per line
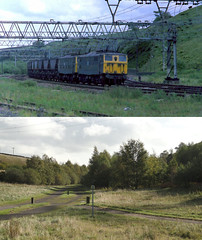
14 175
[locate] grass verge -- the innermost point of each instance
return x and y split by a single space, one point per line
166 202
74 223
19 193
118 101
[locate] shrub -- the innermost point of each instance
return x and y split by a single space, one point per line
14 175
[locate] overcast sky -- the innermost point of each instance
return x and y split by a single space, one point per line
75 138
71 10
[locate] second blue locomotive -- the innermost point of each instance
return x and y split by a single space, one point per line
93 68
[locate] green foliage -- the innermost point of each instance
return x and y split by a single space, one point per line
189 159
31 176
129 165
14 175
154 172
99 169
132 167
44 171
162 15
9 67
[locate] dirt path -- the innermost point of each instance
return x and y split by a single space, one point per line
53 201
125 213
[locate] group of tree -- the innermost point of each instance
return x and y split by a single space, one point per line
45 170
133 167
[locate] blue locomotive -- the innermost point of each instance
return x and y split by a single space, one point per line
92 68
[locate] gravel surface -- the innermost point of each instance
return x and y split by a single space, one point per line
5 112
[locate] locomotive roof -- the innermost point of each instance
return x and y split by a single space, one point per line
67 56
100 53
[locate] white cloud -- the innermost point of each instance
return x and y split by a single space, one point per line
97 130
74 138
34 6
71 10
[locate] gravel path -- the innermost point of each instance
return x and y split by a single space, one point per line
5 112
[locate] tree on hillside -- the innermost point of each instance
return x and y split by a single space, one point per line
163 15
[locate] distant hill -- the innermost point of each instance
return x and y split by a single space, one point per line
11 160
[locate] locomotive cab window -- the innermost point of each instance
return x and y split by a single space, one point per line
108 58
122 58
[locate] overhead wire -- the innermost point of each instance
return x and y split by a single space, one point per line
120 12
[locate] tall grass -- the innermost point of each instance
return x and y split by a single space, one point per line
14 192
72 223
115 102
161 202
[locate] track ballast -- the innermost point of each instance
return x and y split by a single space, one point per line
179 90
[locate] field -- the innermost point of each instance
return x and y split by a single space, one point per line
12 160
74 221
18 192
164 202
118 101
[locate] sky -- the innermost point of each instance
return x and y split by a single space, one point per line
71 10
74 138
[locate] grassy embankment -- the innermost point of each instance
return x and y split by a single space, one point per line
10 160
112 102
77 223
189 50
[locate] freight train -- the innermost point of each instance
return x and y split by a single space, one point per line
92 68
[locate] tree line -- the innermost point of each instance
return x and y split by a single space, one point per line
133 167
44 171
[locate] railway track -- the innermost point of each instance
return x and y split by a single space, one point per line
145 87
74 85
41 111
179 90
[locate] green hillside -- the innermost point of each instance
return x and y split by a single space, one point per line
189 48
11 160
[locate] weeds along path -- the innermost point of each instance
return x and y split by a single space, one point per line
53 201
139 215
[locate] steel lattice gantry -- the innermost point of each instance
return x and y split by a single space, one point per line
33 31
20 32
